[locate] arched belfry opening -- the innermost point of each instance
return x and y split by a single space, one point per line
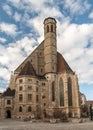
8 114
47 28
51 28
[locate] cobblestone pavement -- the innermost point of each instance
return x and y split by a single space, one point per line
21 125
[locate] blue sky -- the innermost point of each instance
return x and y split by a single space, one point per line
21 30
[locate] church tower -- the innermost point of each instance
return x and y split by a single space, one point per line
50 49
43 85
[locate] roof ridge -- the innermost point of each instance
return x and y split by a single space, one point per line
29 55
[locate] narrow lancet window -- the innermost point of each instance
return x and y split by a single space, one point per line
61 89
69 92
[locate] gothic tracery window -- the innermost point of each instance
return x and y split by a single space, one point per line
69 92
61 89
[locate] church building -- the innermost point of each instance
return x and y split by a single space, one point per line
43 83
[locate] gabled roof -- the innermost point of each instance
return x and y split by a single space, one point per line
28 70
62 65
9 92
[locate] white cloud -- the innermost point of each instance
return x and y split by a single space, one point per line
9 29
72 42
14 1
77 6
91 15
7 9
34 7
4 73
35 3
37 7
2 89
4 59
74 35
52 12
12 55
17 17
2 40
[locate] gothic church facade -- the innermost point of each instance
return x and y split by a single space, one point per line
43 83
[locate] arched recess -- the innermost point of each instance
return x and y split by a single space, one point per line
20 109
53 91
8 114
61 91
69 92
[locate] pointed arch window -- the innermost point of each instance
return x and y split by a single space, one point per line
61 91
51 28
69 92
53 91
47 28
20 109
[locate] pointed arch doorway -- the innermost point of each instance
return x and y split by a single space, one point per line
8 114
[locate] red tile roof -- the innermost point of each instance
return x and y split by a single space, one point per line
28 70
62 65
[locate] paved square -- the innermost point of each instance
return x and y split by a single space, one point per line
10 124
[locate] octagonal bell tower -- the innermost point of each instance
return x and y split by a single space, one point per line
50 49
